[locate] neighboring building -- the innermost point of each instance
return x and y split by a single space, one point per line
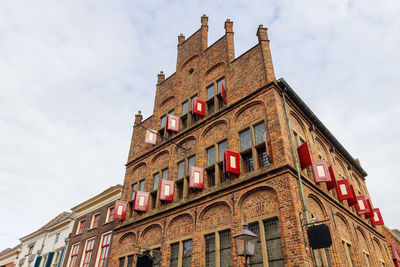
245 113
393 241
45 246
90 239
9 256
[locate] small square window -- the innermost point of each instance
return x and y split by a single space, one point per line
181 169
165 174
163 121
141 185
210 156
245 140
95 220
185 106
191 162
221 149
156 178
210 92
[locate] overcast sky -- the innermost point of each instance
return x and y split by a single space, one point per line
74 73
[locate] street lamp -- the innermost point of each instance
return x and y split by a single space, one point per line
245 242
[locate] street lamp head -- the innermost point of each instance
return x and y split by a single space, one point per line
245 242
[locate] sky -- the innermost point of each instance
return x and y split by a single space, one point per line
74 73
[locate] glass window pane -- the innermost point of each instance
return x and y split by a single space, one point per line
272 229
263 157
210 92
211 177
165 174
191 162
187 253
222 81
221 148
210 105
163 120
121 262
174 255
274 249
134 186
248 162
156 178
210 250
130 261
273 242
185 107
245 140
225 246
181 169
141 185
259 131
257 258
171 112
210 156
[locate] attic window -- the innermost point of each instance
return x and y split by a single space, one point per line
191 71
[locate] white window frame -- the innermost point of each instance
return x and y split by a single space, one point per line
108 215
92 220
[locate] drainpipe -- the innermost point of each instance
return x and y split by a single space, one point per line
303 200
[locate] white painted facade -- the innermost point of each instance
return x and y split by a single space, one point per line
47 244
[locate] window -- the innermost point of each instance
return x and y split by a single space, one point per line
225 248
214 98
56 258
156 181
214 165
128 259
184 172
57 238
134 189
162 133
257 259
141 185
88 252
173 262
187 117
252 146
367 259
156 178
323 257
74 255
110 212
273 243
187 253
95 220
80 227
30 249
347 251
298 140
104 249
224 255
156 254
210 250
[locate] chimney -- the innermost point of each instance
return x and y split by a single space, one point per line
229 39
181 39
204 32
138 118
263 40
161 77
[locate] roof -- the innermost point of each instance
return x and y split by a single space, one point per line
59 218
314 119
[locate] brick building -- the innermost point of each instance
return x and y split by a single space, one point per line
90 240
258 122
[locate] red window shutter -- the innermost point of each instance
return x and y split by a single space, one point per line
196 178
369 212
377 218
172 123
321 171
151 137
198 107
223 93
304 156
395 254
232 162
332 184
141 200
362 205
266 147
166 190
120 210
352 200
343 189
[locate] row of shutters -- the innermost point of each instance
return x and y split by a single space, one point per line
172 121
231 166
323 173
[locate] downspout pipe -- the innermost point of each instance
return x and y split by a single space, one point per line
303 200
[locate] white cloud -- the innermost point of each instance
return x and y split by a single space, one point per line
74 73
